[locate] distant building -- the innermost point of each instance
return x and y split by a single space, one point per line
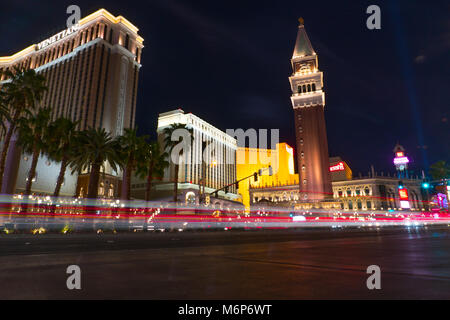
251 160
374 192
91 72
340 170
218 170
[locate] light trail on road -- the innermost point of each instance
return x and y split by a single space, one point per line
45 214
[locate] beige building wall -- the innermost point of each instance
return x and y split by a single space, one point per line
91 73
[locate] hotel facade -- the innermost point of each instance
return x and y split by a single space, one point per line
217 170
91 72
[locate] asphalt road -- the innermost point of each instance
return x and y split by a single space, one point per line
264 264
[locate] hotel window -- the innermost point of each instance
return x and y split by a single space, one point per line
304 88
350 205
111 190
309 88
303 154
313 87
301 141
358 192
340 193
359 203
303 168
369 205
304 181
349 192
101 190
367 191
127 41
299 89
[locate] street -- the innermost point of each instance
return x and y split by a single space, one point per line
263 264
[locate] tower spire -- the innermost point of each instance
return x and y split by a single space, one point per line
303 46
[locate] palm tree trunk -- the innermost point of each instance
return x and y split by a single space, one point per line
9 134
126 180
175 186
94 177
32 172
60 180
149 183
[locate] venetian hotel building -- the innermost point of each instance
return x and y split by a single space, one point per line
91 72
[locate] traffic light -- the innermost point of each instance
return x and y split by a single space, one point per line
255 177
425 185
400 184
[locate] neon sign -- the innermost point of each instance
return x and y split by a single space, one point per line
401 160
58 36
404 203
403 193
338 167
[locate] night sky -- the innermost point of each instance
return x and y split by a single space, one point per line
228 62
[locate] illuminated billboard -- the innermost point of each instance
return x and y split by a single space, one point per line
338 167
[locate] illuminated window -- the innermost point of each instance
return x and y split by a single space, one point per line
303 154
111 191
304 181
101 190
349 192
303 168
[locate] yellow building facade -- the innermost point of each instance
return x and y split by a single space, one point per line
251 160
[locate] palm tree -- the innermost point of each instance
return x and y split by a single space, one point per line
440 170
95 147
33 138
153 166
63 141
170 145
132 149
20 95
4 111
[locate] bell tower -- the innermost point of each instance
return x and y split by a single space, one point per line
308 101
